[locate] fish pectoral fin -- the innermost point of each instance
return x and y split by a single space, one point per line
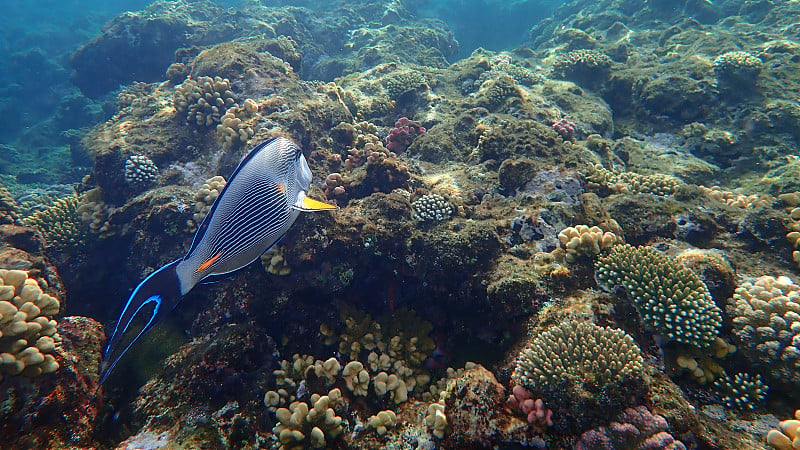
309 204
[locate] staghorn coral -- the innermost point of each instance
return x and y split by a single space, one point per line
633 429
582 353
787 436
28 335
235 126
598 177
432 208
203 101
60 224
742 390
140 170
670 298
766 318
582 240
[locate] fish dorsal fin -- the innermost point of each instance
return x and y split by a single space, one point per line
201 230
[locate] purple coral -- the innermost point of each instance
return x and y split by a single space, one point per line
633 429
521 401
403 133
565 129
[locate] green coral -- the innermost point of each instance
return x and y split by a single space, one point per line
583 353
670 298
742 391
60 224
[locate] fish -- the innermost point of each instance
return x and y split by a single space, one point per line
259 203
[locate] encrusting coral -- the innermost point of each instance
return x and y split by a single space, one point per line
671 299
28 335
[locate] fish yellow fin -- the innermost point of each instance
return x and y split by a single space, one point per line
205 265
309 204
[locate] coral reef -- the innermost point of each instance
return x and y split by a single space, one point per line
671 299
140 170
432 208
633 429
28 334
742 390
766 319
204 101
61 224
787 437
582 240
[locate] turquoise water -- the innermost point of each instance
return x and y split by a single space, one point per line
484 162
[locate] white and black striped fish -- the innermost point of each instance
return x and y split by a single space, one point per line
255 209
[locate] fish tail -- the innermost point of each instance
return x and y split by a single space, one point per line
152 300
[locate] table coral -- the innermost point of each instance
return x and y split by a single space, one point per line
670 298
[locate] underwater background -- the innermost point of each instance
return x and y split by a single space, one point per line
562 225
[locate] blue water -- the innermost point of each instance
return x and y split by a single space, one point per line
45 113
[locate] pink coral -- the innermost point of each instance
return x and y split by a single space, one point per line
565 129
403 133
633 429
521 401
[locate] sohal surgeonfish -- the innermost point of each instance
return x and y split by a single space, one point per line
255 209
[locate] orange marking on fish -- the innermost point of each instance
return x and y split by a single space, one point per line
205 265
282 188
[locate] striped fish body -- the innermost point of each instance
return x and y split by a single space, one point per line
255 209
261 200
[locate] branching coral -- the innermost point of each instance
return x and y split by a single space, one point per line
583 240
583 353
203 101
432 208
203 199
670 298
309 425
235 126
140 170
742 390
28 335
766 319
598 176
60 224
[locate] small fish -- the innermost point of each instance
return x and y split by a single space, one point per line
255 209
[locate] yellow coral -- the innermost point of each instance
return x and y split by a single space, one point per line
28 336
787 436
583 240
